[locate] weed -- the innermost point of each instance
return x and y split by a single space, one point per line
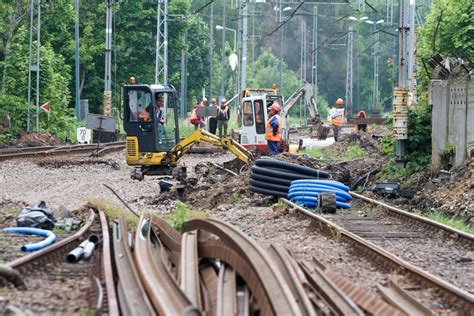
354 152
114 212
442 218
235 198
182 214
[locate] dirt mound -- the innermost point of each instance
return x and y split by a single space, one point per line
37 140
452 193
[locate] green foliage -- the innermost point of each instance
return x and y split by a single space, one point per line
448 27
387 146
352 152
442 218
418 146
450 149
182 214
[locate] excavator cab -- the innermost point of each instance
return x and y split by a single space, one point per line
253 120
151 123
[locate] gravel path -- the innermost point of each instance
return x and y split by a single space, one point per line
75 183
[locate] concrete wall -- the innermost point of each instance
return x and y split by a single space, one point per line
438 98
452 103
470 119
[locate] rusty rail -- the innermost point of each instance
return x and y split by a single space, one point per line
165 295
465 299
134 300
282 300
399 213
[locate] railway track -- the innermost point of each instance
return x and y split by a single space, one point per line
31 152
55 286
370 236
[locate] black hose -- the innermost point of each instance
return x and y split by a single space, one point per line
270 186
279 173
269 192
295 168
268 179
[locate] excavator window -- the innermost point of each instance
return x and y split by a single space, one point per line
259 117
138 103
247 112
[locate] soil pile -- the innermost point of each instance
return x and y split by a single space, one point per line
451 193
37 140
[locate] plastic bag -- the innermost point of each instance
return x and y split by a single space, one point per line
38 216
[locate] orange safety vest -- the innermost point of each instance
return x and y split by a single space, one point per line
194 119
144 116
269 130
338 119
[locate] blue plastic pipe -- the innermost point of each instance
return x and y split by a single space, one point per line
50 237
315 191
332 183
296 194
313 202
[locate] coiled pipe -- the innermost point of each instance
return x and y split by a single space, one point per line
305 192
50 237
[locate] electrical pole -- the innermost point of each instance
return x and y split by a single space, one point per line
411 55
107 103
161 58
77 70
211 48
253 38
349 71
34 65
223 49
389 12
314 67
184 76
400 93
243 78
281 47
376 69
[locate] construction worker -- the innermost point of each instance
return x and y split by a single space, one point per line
195 119
337 119
361 127
145 114
223 116
213 119
274 128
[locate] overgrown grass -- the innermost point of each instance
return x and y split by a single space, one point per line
352 152
182 214
442 218
114 212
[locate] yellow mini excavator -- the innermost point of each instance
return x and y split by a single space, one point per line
153 144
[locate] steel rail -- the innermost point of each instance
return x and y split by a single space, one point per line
165 295
336 299
396 296
58 150
107 271
209 283
293 277
463 297
463 236
218 249
65 244
188 270
133 298
282 300
226 292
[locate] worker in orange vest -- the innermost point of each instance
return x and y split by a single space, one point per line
361 127
337 119
274 128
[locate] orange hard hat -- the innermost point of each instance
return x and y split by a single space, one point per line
275 107
339 101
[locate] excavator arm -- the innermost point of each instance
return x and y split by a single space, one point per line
202 136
